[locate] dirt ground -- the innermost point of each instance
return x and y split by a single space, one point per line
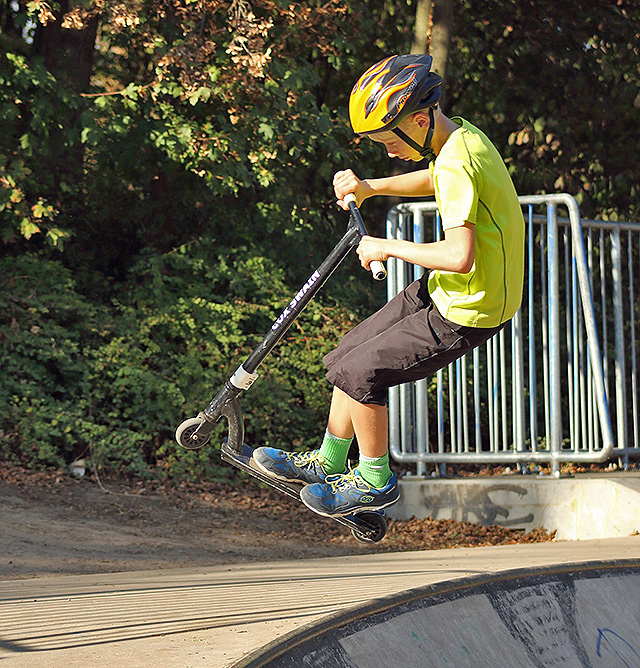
51 523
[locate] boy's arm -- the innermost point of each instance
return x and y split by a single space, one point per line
413 184
456 252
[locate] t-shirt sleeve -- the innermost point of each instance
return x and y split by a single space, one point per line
456 194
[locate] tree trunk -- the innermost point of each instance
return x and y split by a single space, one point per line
432 33
441 28
420 42
67 53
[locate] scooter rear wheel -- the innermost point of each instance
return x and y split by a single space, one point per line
185 431
379 524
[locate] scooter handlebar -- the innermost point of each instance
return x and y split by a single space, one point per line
377 268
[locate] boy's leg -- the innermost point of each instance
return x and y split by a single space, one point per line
372 484
339 422
346 418
312 467
370 423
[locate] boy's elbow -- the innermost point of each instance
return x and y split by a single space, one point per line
463 248
465 265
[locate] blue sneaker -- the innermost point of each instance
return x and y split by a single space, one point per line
347 493
300 467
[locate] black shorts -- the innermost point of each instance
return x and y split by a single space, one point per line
406 340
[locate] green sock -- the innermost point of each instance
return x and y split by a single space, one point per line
375 470
334 451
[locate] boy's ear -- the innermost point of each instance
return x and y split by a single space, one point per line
421 118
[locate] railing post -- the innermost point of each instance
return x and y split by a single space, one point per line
618 329
421 433
395 416
590 324
555 396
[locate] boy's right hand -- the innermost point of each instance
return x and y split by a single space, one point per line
346 182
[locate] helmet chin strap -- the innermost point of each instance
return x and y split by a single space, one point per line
426 152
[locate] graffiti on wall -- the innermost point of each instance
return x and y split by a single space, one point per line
482 504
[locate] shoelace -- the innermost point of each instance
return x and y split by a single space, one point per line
340 480
305 458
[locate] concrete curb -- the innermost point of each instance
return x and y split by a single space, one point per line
578 508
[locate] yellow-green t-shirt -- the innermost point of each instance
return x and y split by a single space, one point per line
472 184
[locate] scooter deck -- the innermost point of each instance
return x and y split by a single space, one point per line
362 529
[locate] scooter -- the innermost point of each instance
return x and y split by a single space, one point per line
366 526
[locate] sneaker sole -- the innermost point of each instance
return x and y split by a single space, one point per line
352 512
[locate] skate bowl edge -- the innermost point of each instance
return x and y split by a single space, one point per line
581 614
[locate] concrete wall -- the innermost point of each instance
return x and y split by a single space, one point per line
578 508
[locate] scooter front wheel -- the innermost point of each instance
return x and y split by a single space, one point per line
185 431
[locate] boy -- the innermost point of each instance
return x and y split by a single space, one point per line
473 289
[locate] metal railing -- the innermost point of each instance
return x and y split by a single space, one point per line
543 389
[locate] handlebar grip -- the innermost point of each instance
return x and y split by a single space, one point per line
376 267
378 270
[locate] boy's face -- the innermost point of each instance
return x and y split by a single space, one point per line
396 147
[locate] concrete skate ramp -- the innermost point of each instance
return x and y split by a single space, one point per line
578 615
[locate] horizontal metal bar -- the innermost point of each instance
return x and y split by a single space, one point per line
540 456
587 223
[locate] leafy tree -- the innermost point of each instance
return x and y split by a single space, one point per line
555 86
165 183
208 134
193 109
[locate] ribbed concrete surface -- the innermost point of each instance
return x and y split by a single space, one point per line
212 617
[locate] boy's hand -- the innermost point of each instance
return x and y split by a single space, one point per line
346 182
370 249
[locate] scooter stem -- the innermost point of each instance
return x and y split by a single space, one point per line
377 268
225 403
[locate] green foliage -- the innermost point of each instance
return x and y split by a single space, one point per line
556 85
113 383
44 329
228 121
155 219
31 112
184 181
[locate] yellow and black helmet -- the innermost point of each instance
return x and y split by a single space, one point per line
391 90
